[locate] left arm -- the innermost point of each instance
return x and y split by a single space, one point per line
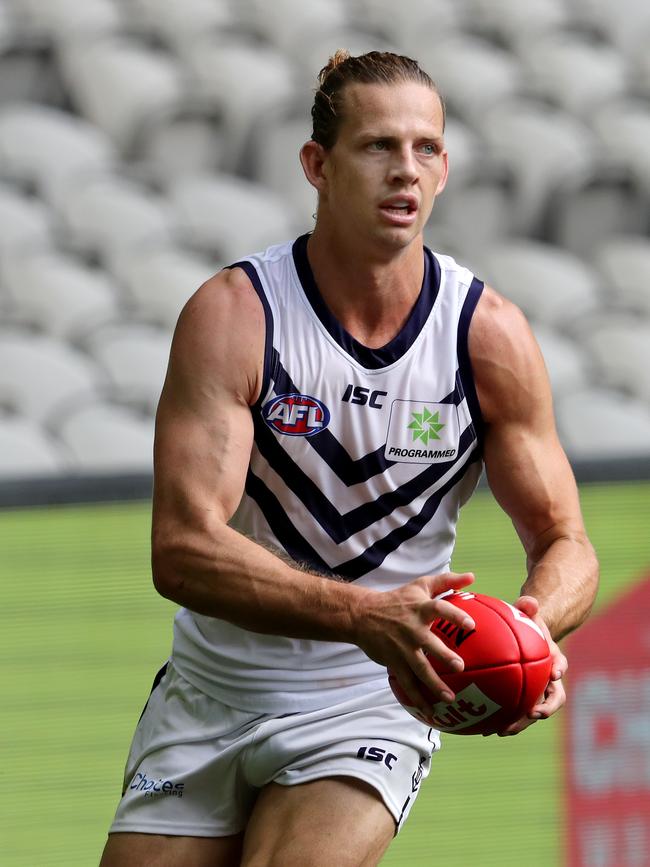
531 478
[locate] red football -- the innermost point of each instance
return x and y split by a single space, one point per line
507 668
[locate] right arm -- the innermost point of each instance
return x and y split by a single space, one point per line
204 435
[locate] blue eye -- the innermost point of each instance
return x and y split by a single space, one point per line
380 145
428 149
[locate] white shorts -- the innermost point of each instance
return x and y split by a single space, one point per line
196 765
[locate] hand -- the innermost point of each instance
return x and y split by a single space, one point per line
394 629
554 696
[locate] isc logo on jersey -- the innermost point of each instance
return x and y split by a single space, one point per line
296 415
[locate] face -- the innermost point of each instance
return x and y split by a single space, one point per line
380 179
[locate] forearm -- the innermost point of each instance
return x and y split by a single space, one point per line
227 575
563 577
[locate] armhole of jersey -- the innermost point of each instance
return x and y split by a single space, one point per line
251 272
464 361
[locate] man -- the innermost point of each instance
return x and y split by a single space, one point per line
327 409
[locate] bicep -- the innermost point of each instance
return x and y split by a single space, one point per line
204 427
526 466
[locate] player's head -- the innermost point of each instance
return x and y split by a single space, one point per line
377 155
375 67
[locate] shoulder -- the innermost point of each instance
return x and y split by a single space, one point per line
221 331
508 367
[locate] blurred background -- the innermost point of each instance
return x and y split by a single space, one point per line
146 143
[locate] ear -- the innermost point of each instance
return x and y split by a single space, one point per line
442 183
313 157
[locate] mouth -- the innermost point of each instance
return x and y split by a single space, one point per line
399 210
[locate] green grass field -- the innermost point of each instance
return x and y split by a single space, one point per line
84 632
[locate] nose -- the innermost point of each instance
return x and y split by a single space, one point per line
403 167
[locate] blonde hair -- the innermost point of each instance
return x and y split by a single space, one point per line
375 67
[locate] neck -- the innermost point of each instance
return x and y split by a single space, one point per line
370 292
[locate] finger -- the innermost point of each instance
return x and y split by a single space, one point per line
516 727
423 670
436 650
553 699
560 666
430 611
528 604
448 581
411 687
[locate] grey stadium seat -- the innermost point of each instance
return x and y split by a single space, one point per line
134 360
40 376
623 127
473 74
576 73
228 217
624 264
26 222
58 293
551 285
159 280
620 348
44 147
512 21
27 450
566 361
175 24
240 78
444 17
546 149
108 214
65 20
122 86
103 438
602 423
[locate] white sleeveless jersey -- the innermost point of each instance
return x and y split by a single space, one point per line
361 460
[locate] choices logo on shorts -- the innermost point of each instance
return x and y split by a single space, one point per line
151 788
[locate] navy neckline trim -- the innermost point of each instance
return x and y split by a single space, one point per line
372 359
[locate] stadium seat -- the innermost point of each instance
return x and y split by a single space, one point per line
26 222
133 357
550 285
192 141
511 21
122 86
545 148
64 20
575 73
103 438
274 147
239 78
623 128
110 213
626 24
620 350
176 24
442 17
26 450
59 294
567 363
478 207
473 74
159 280
292 21
602 423
227 217
43 146
624 265
581 217
40 376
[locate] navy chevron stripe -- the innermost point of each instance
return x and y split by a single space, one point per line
350 471
375 555
340 527
302 552
287 535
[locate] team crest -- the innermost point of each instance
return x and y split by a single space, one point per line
296 415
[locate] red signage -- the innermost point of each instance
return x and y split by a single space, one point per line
607 736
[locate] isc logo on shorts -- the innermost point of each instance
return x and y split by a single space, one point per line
296 415
422 433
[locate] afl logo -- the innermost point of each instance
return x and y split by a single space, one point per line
296 415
